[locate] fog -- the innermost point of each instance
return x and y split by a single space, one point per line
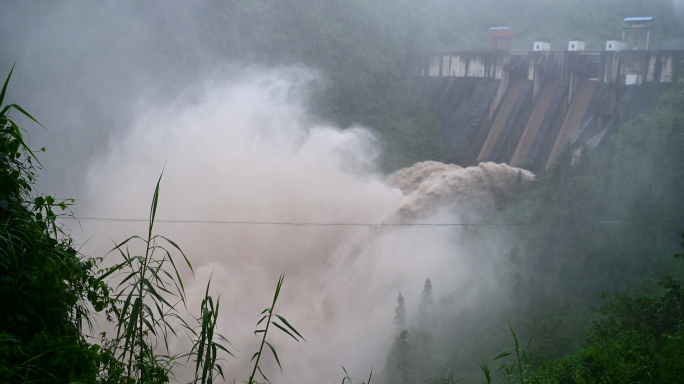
244 150
236 143
131 91
83 68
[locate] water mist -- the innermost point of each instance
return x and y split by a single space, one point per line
245 150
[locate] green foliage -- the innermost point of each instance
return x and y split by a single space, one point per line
556 20
362 48
409 138
47 290
515 370
600 223
347 380
400 313
398 365
45 285
450 379
605 225
141 303
266 318
426 296
205 348
641 339
365 49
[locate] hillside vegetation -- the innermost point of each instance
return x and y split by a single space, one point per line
590 278
364 49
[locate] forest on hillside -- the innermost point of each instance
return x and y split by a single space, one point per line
361 49
364 48
592 287
594 277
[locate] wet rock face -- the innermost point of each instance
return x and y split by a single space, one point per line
430 185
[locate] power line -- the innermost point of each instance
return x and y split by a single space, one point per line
295 224
314 224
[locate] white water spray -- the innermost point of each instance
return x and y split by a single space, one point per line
246 151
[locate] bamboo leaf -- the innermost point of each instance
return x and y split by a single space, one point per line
277 292
118 246
130 276
124 310
154 292
503 354
262 374
179 250
223 349
207 358
285 330
19 137
131 323
153 208
111 270
290 326
274 354
260 321
4 87
149 326
24 112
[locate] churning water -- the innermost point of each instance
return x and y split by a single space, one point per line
247 150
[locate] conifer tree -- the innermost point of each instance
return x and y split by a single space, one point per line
398 364
400 313
426 296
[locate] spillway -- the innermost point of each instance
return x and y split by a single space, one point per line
574 118
535 122
525 108
501 118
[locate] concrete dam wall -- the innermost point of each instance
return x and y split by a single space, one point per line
526 108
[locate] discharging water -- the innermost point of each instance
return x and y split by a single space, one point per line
247 150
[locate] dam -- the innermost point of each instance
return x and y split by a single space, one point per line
526 108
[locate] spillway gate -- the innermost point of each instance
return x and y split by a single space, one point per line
525 108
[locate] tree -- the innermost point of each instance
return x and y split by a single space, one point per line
426 296
400 313
398 361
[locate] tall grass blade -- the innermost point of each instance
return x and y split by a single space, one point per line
275 354
268 315
290 326
4 87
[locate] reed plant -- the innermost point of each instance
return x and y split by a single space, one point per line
347 380
515 370
449 379
207 342
48 290
146 299
267 319
144 305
